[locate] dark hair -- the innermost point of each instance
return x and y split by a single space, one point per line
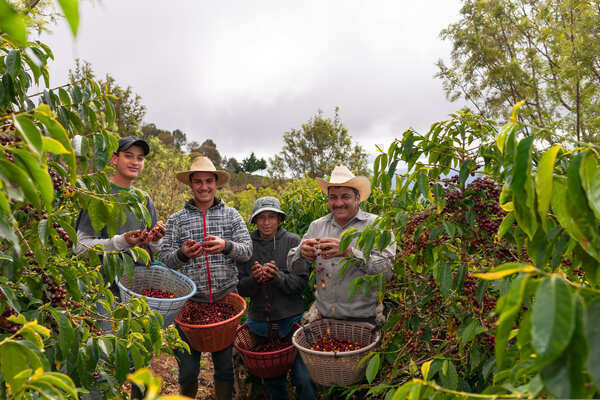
190 176
354 190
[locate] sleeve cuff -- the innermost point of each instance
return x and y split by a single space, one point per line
120 242
182 257
228 247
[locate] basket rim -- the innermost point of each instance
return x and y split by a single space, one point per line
198 326
261 353
337 354
178 274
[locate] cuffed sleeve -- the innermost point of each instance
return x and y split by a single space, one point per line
241 244
86 241
247 285
170 246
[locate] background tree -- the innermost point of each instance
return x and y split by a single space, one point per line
315 148
251 164
176 139
232 164
129 110
208 148
544 52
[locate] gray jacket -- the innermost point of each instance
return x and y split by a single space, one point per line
192 223
282 296
332 292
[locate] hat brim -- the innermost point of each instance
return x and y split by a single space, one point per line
140 143
222 177
278 211
360 183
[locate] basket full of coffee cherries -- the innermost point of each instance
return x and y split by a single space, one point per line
165 290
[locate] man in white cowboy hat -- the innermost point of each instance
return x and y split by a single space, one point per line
205 240
320 245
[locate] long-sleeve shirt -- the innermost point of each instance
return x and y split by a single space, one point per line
331 296
88 237
281 297
219 275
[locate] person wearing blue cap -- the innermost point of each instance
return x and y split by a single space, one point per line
275 292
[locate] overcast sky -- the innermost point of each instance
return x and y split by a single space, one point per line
244 72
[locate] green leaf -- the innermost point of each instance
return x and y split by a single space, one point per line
354 285
445 278
590 180
12 23
373 368
66 333
553 318
17 176
511 301
543 182
122 361
54 146
465 170
384 240
592 333
71 10
38 171
13 62
522 188
43 231
449 377
470 332
564 378
501 138
506 224
110 112
30 133
504 270
98 214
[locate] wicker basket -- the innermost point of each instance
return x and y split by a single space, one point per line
329 368
263 364
162 278
217 336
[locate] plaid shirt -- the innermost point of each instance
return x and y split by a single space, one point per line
222 221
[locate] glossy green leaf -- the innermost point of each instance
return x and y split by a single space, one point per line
38 172
354 285
17 176
507 223
543 182
71 10
502 135
121 362
13 62
43 231
110 112
98 214
553 318
53 146
471 331
592 334
384 240
445 278
511 306
449 377
522 188
12 23
590 180
564 378
373 368
30 133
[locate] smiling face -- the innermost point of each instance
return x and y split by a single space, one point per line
128 165
204 186
343 203
267 223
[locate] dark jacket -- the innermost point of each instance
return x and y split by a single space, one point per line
281 297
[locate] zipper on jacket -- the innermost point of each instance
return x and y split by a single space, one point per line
210 297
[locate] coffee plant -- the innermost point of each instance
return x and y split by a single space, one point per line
56 145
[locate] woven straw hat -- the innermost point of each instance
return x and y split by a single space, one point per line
341 176
203 164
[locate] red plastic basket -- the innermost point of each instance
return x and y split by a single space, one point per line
217 336
263 364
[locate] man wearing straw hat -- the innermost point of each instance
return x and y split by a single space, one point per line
320 245
275 292
204 240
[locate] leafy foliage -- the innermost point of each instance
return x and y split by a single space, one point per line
315 148
543 51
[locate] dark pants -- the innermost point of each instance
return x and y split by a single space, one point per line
305 388
189 364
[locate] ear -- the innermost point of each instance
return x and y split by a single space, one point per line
113 159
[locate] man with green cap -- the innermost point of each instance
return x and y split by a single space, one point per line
275 292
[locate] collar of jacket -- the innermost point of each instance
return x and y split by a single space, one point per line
192 207
255 235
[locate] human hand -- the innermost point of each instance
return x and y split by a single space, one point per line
158 231
308 249
269 271
213 244
192 249
330 248
136 237
257 272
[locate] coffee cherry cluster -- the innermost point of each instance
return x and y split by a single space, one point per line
273 344
63 234
5 324
331 344
157 293
57 180
54 292
206 313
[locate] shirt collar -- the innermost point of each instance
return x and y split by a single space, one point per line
360 216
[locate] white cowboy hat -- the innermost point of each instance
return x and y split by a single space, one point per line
202 164
341 176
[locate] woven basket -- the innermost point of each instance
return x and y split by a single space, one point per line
217 336
162 278
329 368
263 364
